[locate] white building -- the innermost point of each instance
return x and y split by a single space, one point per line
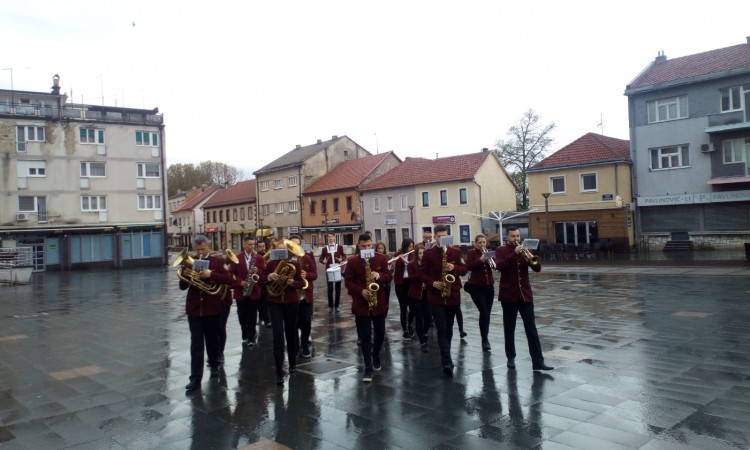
84 185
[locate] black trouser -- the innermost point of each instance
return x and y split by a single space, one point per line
483 295
223 329
407 310
284 321
365 326
204 330
331 286
444 316
510 312
304 323
263 310
247 313
459 318
422 314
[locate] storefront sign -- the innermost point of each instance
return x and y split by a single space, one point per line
210 230
329 221
390 221
443 219
607 197
688 199
293 230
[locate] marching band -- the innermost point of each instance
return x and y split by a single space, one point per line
428 288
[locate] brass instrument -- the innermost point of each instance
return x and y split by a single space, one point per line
487 257
252 280
285 270
446 278
372 287
532 259
230 257
186 273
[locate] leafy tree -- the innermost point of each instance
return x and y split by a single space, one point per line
183 177
527 143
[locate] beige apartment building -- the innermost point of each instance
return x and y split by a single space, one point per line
282 182
85 184
230 215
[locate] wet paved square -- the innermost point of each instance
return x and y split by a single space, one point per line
645 357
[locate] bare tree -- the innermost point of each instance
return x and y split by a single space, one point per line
221 174
527 144
183 177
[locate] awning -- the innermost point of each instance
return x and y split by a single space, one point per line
728 180
333 228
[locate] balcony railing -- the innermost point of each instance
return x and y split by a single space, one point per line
79 112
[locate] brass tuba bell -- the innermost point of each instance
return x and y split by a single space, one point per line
184 263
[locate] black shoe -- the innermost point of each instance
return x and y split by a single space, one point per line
411 331
292 370
425 347
407 336
268 325
486 346
462 334
448 369
280 381
193 385
367 375
337 309
306 352
221 359
215 372
376 363
543 367
511 363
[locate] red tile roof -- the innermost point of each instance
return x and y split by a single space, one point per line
415 171
195 200
348 174
587 149
699 64
242 192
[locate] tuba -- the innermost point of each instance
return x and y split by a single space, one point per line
446 278
372 287
285 270
185 272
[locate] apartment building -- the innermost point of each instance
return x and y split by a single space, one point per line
84 184
230 215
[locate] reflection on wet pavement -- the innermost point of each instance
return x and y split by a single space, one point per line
655 358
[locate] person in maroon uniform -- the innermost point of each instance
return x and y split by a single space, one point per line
250 264
263 316
443 308
481 285
418 297
304 316
368 317
332 253
204 312
516 297
401 279
283 310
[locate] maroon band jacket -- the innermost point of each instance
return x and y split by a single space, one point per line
328 258
415 282
514 275
398 270
481 273
311 274
240 273
199 303
290 292
354 280
431 271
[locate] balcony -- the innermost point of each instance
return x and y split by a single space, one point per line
729 121
83 112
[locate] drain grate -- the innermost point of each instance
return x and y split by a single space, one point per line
323 367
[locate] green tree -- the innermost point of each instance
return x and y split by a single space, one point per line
527 143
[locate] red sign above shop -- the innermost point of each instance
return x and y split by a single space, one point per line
210 230
443 219
329 221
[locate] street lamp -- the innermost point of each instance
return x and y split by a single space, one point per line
325 222
411 221
546 213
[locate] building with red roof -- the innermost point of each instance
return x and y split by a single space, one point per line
188 217
331 204
231 214
690 146
420 193
580 193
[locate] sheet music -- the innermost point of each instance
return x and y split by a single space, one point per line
367 253
200 265
531 244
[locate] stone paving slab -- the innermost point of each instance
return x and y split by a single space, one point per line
645 357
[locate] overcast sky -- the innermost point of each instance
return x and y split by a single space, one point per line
244 82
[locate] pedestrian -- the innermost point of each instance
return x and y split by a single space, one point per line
331 254
402 280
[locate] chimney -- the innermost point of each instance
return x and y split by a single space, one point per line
56 84
748 39
319 141
298 146
660 57
334 137
485 151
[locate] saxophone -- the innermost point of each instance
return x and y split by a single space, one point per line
446 278
372 287
252 279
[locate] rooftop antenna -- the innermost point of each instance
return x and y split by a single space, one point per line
377 148
101 78
601 123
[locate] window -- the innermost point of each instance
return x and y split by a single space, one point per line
463 196
31 168
336 205
731 99
349 203
588 182
263 186
146 138
425 199
264 210
667 109
279 208
149 202
93 203
27 203
91 136
93 169
557 185
141 244
242 213
149 170
443 197
324 206
669 157
464 232
312 207
376 207
214 214
277 183
378 235
294 206
404 203
734 150
292 181
234 214
26 133
221 215
404 233
389 203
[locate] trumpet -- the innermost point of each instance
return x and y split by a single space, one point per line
531 258
486 256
